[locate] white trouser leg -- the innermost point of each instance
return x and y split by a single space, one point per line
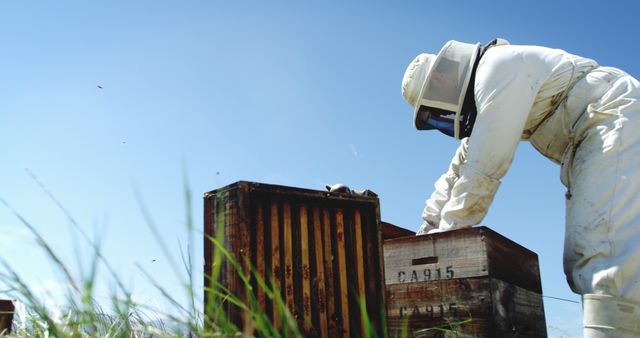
602 242
610 317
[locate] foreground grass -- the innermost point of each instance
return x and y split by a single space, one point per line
82 315
79 313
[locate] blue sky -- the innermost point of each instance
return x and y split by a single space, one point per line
290 92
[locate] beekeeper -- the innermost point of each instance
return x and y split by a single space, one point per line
583 116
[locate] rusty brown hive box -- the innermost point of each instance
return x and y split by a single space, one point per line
323 250
474 277
6 316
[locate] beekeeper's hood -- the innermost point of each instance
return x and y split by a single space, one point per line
436 86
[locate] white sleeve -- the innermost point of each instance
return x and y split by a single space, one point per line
442 192
505 89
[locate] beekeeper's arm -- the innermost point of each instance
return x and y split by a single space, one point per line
505 88
442 192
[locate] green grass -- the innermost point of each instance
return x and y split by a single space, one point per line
82 315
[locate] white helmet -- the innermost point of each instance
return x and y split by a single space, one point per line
414 77
438 103
436 87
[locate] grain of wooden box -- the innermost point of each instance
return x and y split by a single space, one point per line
473 277
323 250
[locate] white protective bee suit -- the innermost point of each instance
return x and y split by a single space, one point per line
584 117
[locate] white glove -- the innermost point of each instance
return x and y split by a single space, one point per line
425 228
443 186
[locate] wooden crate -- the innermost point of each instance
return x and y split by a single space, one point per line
323 251
6 316
472 276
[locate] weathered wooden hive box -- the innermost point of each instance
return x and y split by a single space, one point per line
472 281
322 250
6 316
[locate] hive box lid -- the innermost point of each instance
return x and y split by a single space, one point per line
463 253
248 186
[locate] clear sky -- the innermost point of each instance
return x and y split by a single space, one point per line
100 99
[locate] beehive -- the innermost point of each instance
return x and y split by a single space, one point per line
471 281
6 316
323 251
